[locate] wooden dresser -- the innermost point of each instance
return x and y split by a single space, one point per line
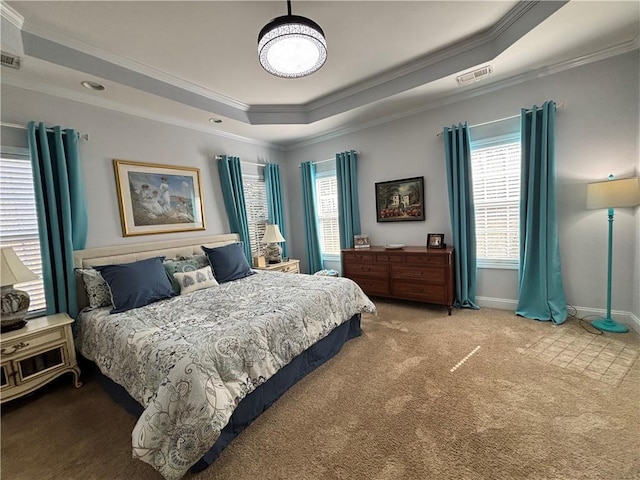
411 273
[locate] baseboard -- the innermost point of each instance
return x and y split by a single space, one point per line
627 318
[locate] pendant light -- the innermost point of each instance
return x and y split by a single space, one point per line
291 46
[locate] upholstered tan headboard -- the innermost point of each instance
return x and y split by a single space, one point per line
116 254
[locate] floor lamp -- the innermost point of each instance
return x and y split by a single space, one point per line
612 194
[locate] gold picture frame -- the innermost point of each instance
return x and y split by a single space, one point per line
156 198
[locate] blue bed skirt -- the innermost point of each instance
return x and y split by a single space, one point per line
263 396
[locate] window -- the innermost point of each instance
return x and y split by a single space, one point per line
327 206
19 222
255 197
495 164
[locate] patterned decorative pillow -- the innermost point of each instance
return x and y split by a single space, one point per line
97 289
196 280
190 264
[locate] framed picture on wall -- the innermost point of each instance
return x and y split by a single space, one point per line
157 198
400 200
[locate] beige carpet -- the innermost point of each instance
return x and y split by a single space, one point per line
419 396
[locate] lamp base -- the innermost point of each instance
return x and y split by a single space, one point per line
609 325
273 253
15 305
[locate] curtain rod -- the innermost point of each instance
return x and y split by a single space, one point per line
558 105
22 127
218 157
329 159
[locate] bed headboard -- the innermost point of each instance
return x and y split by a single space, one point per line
92 257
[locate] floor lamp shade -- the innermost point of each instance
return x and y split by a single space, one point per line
612 194
273 251
15 303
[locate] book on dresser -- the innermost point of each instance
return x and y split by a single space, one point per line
407 273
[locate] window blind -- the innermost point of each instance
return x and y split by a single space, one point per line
496 194
255 197
327 205
19 223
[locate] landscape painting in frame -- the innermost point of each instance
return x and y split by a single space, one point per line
400 200
158 198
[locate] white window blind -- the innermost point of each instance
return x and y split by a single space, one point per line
19 223
495 167
255 197
327 205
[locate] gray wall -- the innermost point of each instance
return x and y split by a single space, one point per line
114 135
596 134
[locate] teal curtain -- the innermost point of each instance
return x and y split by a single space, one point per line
541 293
275 205
62 211
348 206
233 196
457 145
314 254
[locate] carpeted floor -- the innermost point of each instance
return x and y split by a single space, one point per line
419 396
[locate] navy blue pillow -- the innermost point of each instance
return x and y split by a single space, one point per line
136 284
228 262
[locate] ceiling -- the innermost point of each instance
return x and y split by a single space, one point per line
186 62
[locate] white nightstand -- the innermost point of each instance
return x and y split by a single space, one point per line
36 354
290 266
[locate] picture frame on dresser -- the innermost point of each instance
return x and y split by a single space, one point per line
400 200
155 198
436 240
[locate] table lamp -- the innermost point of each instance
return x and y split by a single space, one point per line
612 194
273 251
15 303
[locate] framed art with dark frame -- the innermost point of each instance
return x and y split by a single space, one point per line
155 198
400 200
435 240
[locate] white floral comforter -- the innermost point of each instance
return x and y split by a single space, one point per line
191 359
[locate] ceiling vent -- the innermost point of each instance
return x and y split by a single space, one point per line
475 75
9 60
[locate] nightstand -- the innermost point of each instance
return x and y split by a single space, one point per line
36 354
290 266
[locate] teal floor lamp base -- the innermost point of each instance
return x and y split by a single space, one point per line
609 325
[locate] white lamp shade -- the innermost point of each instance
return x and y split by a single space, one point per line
12 270
272 235
614 193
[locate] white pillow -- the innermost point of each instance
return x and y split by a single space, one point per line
195 280
97 289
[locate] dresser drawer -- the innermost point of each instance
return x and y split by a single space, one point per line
420 274
357 257
389 257
358 269
419 291
373 286
31 343
293 268
428 259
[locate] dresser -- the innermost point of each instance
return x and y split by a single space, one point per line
36 354
411 273
288 266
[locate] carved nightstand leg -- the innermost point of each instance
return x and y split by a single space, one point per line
76 377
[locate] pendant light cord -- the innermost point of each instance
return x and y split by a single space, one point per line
288 7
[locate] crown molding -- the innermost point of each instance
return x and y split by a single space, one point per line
603 54
41 87
11 15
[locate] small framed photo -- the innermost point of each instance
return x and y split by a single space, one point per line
361 241
435 240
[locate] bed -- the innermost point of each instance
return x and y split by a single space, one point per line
198 367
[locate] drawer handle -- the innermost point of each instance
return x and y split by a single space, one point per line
15 347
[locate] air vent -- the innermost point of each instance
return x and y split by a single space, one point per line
475 75
9 60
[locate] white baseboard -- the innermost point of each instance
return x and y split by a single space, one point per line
627 318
